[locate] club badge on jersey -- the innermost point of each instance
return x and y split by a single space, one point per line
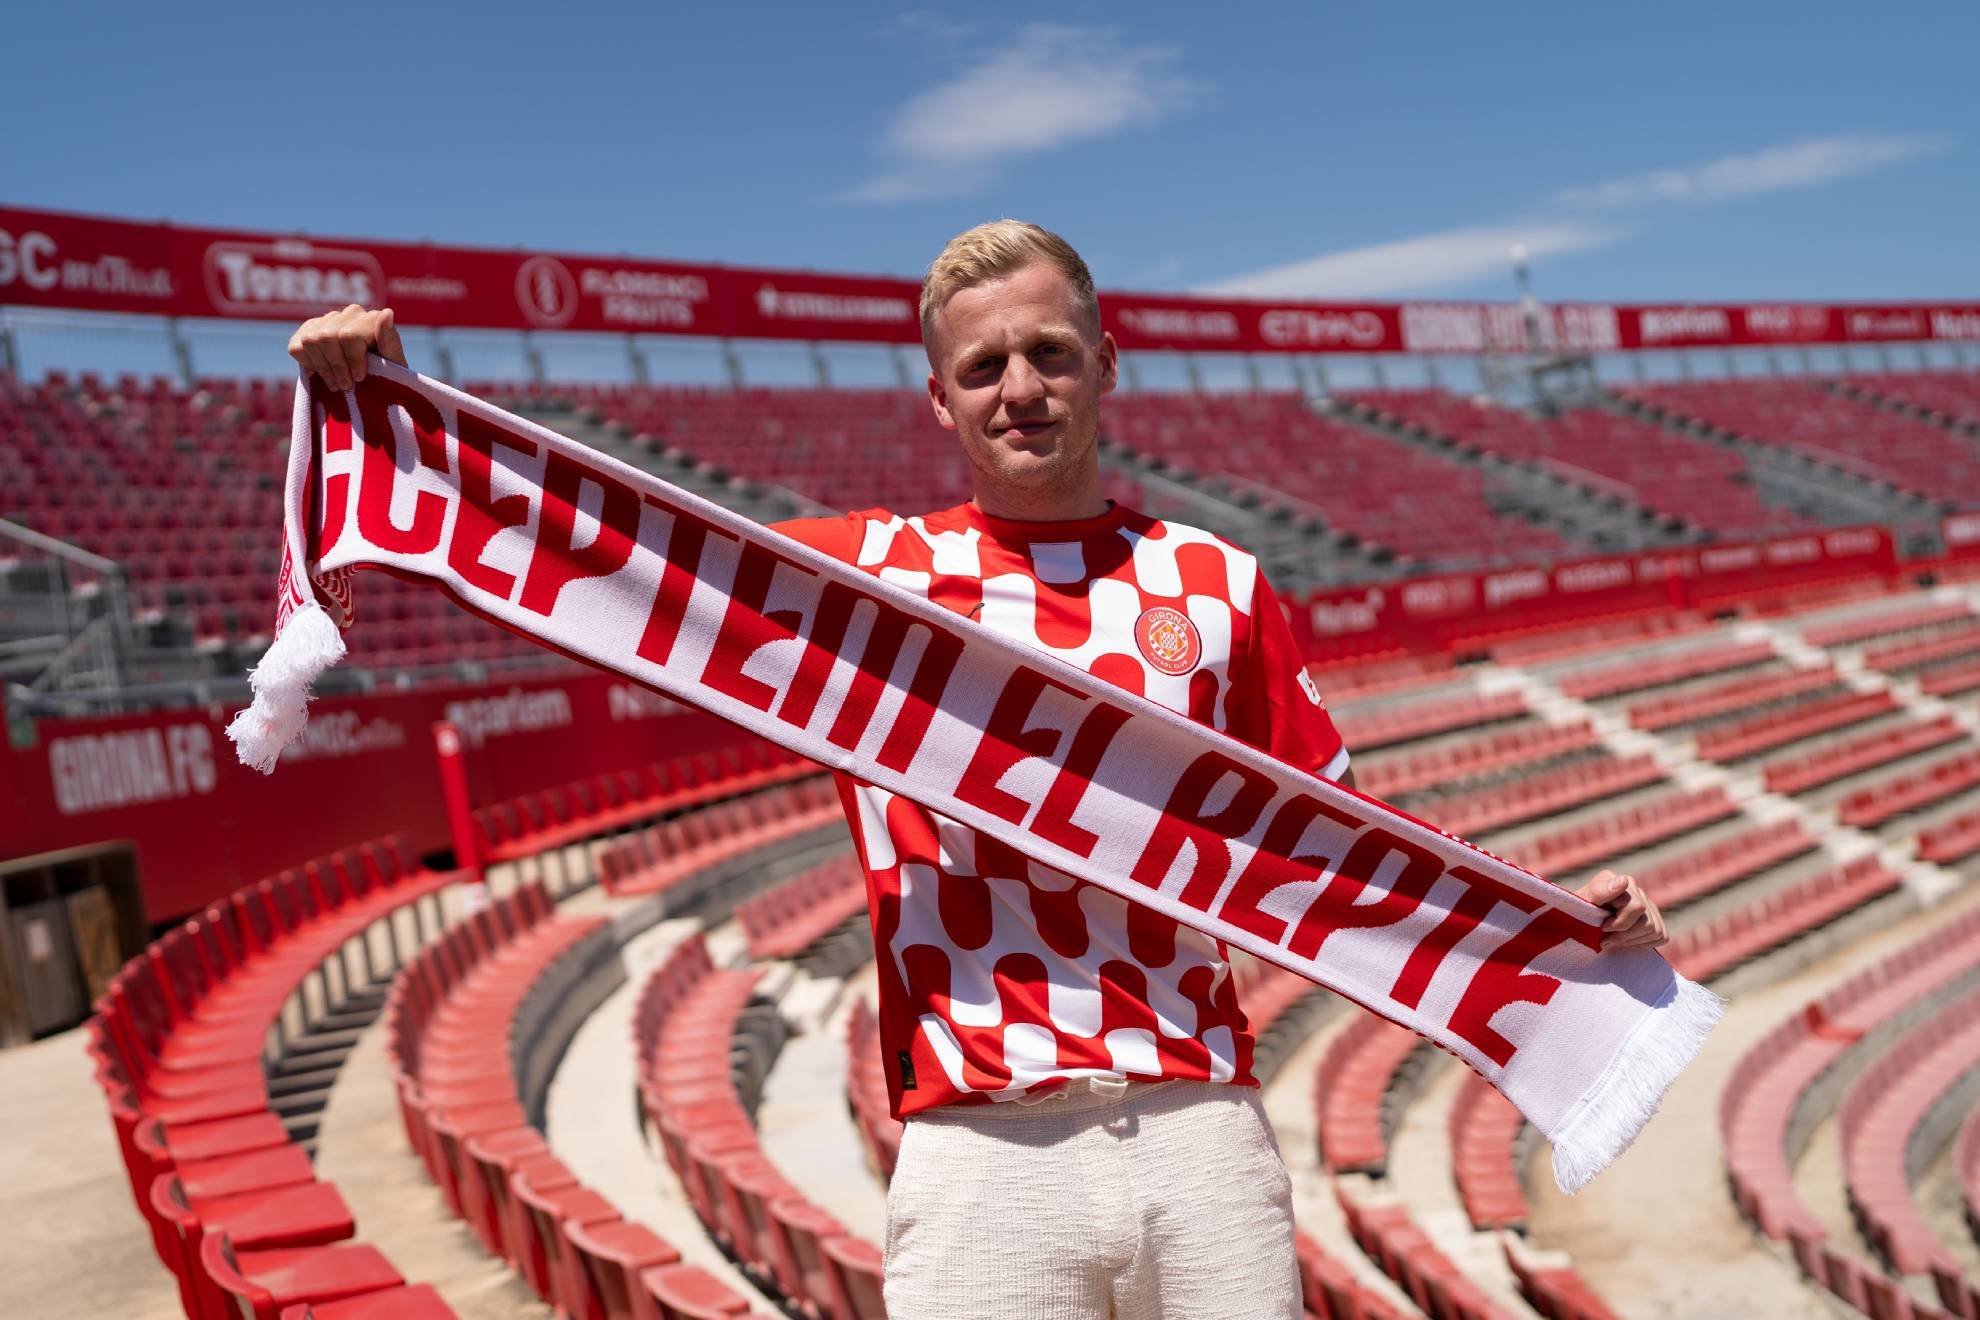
1168 640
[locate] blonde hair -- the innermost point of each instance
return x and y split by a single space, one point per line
995 249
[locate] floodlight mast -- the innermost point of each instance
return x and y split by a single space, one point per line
1544 379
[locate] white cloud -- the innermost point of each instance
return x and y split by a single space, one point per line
1802 164
1573 220
1055 86
1409 265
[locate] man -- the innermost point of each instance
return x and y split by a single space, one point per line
1084 1136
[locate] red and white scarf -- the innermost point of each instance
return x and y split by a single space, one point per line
615 567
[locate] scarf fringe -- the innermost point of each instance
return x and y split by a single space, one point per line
309 643
1610 1113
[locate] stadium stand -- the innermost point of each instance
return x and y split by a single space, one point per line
663 857
1859 440
1714 949
698 1085
1425 508
1351 1090
179 1042
1948 397
1684 481
1880 1123
1780 1087
548 821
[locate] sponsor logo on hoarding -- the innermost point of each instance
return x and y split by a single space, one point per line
645 297
1180 323
1885 324
624 702
777 304
546 292
1514 584
1352 614
1794 550
1851 541
1961 529
515 711
1301 327
1587 327
1949 324
94 771
1793 322
1439 596
1596 575
1725 558
344 733
1662 325
288 275
33 259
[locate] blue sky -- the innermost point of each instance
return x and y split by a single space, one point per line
1642 152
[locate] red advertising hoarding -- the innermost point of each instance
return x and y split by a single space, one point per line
203 824
1442 612
90 263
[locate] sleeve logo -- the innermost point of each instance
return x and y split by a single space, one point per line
1168 640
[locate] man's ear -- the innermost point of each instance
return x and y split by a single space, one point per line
939 399
1110 362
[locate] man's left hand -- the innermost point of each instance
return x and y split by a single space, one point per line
1637 924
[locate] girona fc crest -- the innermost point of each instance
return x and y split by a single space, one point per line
1168 640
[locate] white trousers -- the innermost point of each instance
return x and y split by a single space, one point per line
1160 1201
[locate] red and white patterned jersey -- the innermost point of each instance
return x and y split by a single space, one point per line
999 976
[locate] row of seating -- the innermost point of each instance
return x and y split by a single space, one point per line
1801 771
1624 632
659 857
1634 675
1951 680
1484 1127
1533 794
558 817
785 921
1715 948
1678 476
1901 657
1877 1124
1351 1090
1425 506
691 1057
866 1090
1718 699
450 1023
1329 1289
1763 1093
1951 840
1365 729
1502 749
1557 1292
1351 679
1947 397
1394 1241
1672 882
1888 798
179 1042
1569 848
1905 618
1790 722
1857 437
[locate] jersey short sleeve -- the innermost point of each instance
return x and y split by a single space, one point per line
1274 703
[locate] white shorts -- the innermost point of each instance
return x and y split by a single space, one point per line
1168 1200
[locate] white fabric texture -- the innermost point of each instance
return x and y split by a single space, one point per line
1165 1201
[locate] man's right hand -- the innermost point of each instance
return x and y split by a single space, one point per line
333 345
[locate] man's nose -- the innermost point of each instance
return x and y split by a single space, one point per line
1022 384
